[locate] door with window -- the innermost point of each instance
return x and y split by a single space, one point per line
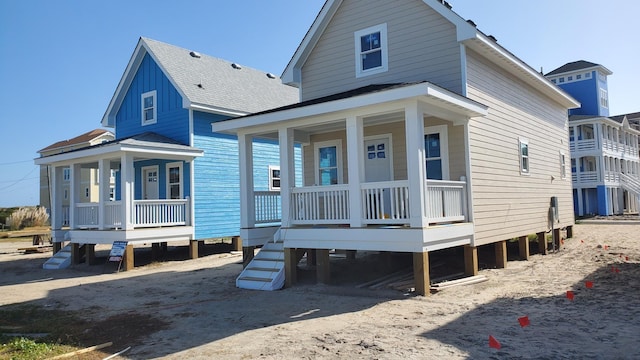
328 163
436 152
150 183
378 168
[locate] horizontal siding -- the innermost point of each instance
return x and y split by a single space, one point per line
173 119
506 203
422 46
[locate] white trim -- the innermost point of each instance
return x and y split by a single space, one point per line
272 187
563 167
384 66
463 69
316 162
389 138
523 171
153 95
179 165
443 131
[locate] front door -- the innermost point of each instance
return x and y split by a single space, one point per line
378 168
150 183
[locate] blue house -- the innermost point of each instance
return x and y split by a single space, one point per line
176 180
605 162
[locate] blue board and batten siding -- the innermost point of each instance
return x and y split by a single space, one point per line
172 118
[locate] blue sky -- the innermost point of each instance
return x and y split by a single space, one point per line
60 61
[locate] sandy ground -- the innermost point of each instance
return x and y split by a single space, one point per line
208 317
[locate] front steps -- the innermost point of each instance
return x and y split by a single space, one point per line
266 269
60 260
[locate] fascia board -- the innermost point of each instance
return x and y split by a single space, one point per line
216 110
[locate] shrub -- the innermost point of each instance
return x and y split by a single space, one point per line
27 217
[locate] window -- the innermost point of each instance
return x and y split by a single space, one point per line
149 108
524 156
66 174
328 163
436 152
563 165
274 178
587 75
561 80
174 180
579 76
112 193
604 98
569 78
66 194
553 81
86 192
371 50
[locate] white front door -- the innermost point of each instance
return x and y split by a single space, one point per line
378 168
150 183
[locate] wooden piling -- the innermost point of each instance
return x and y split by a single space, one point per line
322 269
421 273
523 247
470 260
501 254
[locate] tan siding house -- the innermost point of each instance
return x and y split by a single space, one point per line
419 133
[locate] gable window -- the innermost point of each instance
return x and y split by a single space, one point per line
563 165
174 180
328 162
66 174
274 178
149 108
371 50
524 156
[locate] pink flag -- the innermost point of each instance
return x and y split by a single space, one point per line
524 321
494 343
570 295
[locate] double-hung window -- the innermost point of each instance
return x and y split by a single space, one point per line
563 165
524 156
174 180
149 108
274 178
66 174
371 50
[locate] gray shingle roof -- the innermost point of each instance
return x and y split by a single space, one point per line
573 66
210 81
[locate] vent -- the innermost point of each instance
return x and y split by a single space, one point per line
471 22
195 54
271 76
236 66
492 38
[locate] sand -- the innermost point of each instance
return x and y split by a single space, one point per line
208 317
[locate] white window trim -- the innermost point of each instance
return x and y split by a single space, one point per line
168 184
563 166
153 94
444 147
604 98
322 144
382 28
523 171
271 178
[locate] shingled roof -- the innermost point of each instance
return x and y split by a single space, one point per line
81 139
207 82
576 65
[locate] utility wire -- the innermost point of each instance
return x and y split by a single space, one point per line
23 178
16 162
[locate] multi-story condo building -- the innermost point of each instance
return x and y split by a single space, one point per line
605 161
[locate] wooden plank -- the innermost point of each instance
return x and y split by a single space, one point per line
468 281
459 281
470 260
523 247
421 272
501 254
82 351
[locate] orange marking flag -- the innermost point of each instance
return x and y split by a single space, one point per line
570 295
494 343
524 321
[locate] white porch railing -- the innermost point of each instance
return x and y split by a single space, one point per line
268 207
320 205
65 215
585 177
382 203
113 214
612 176
582 145
446 201
86 215
165 212
385 202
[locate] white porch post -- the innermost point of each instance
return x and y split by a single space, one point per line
104 172
580 204
287 173
56 198
416 165
247 199
127 181
355 168
74 182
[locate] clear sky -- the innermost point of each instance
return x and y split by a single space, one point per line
60 61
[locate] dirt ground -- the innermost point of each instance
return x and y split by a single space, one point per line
192 309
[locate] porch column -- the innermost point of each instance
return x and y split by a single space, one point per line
127 181
247 202
104 172
580 202
56 191
416 164
355 167
74 184
287 173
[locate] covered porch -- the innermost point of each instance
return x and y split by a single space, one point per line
384 168
140 193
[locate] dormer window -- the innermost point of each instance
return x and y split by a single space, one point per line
149 108
371 50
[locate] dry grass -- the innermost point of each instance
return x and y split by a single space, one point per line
30 216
